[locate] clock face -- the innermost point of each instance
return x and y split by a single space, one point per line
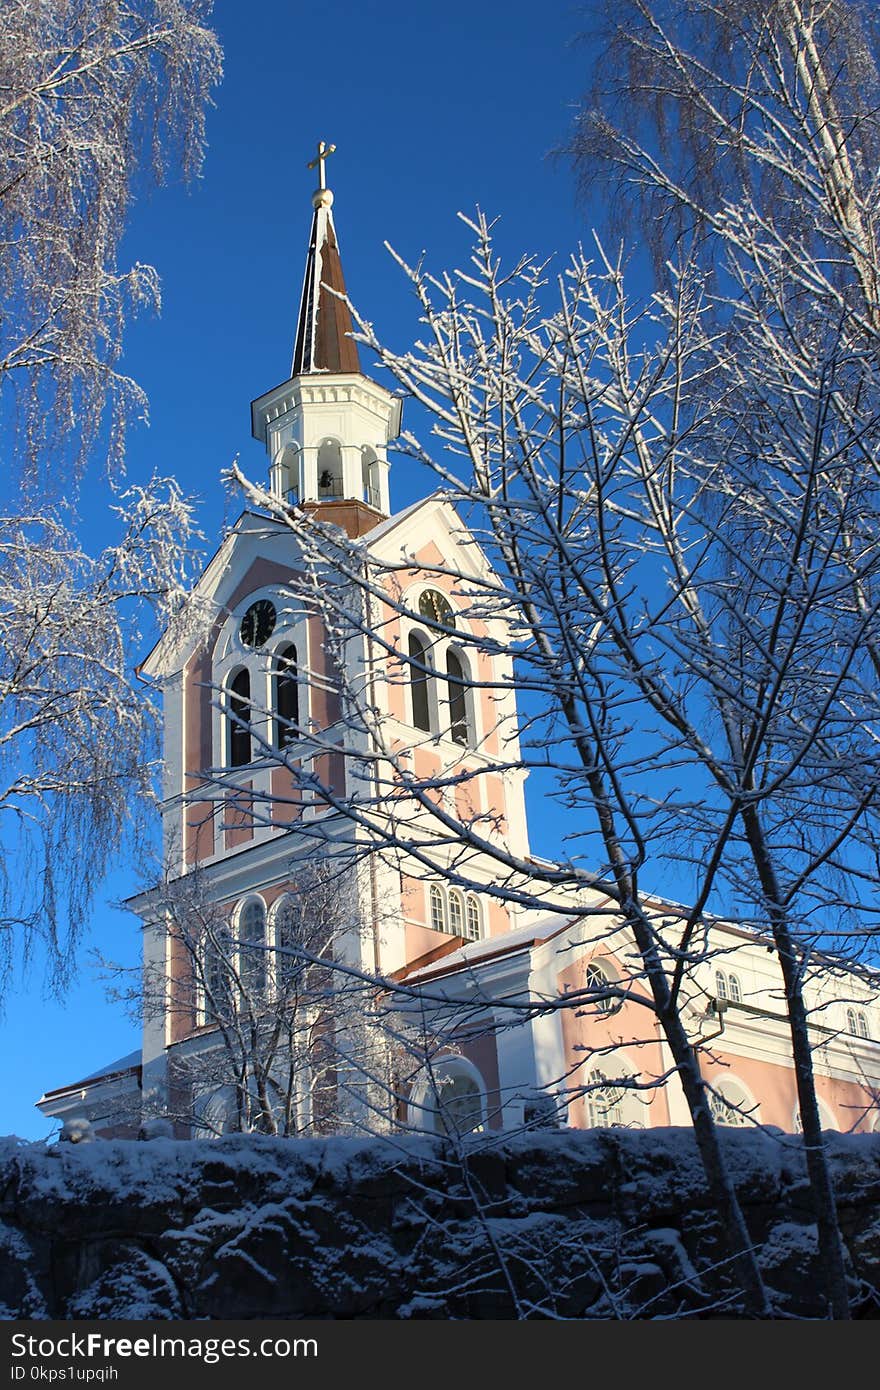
258 623
436 607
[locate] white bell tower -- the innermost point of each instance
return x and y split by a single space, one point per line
327 427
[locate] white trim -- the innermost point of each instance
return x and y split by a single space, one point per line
422 1107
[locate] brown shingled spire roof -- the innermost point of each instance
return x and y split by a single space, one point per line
322 341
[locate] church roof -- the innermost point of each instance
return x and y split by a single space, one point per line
323 341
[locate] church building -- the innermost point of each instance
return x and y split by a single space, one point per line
324 953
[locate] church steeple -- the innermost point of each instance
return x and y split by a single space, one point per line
326 429
324 326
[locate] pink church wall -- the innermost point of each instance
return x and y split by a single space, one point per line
773 1086
324 705
197 755
238 818
589 1039
287 804
200 839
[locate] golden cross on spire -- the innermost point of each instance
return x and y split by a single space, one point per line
318 162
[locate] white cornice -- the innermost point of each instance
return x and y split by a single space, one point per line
324 389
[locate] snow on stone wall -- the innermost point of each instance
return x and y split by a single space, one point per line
601 1224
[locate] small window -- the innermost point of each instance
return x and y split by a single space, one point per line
418 680
370 479
252 944
720 985
438 909
457 688
456 913
239 719
598 980
286 698
733 989
857 1023
474 931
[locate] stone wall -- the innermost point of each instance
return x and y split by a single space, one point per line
600 1224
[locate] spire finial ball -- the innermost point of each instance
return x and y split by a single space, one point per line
322 198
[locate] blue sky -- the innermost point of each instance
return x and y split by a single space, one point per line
434 109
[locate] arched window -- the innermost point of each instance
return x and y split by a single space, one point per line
329 469
370 478
252 944
289 468
604 1102
826 1117
286 697
729 1105
598 979
438 908
216 967
734 992
857 1023
288 967
456 913
474 930
720 985
239 719
418 682
457 693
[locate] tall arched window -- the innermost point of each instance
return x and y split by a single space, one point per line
329 469
286 697
239 719
720 985
288 967
456 686
456 913
216 967
370 478
418 682
252 944
438 908
474 930
733 990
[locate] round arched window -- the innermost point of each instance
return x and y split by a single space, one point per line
598 980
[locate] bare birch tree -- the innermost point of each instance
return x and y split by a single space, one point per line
748 132
96 100
683 553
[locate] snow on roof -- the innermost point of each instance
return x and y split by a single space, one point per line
130 1062
473 952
